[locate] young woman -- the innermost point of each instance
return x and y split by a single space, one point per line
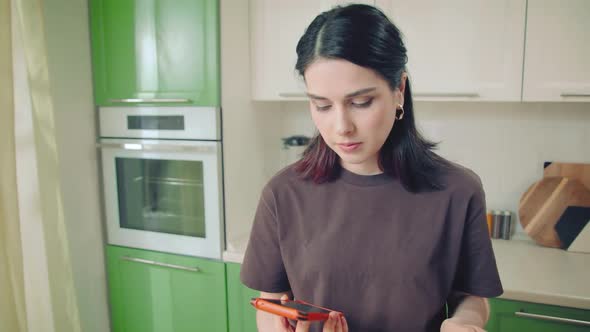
370 222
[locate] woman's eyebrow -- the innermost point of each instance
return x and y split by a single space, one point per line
312 96
360 92
352 94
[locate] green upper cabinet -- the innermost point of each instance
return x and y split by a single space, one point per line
157 292
155 52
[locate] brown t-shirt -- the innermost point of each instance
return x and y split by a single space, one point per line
363 245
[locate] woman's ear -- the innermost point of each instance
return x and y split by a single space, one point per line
402 87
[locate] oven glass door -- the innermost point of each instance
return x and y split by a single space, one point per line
164 195
161 195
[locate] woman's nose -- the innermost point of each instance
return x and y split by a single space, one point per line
344 124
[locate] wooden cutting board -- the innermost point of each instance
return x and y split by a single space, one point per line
544 202
570 170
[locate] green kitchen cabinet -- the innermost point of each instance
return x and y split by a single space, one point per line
155 52
157 292
516 316
241 315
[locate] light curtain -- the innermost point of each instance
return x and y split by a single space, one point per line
12 306
36 284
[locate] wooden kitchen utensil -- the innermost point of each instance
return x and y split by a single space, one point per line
570 170
571 223
544 202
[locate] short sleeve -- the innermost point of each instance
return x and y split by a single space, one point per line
263 268
477 272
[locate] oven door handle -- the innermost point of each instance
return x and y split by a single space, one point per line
157 147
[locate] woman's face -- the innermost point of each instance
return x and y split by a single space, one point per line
354 110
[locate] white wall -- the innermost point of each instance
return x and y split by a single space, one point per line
68 44
250 130
504 143
507 143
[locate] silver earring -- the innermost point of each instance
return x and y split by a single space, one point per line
401 115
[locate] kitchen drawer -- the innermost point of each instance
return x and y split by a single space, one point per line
241 315
153 292
516 316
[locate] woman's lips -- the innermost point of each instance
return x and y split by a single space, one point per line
349 147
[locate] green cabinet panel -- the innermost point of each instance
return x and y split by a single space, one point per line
157 292
241 315
504 317
155 49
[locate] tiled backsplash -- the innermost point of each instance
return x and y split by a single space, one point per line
504 143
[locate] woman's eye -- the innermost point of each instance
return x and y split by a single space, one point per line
362 103
323 107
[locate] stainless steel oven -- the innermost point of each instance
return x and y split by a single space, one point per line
162 178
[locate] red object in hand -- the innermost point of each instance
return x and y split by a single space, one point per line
292 309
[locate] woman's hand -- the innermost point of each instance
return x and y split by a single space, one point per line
267 322
336 323
470 313
450 325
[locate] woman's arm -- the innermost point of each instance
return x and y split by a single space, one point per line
267 322
467 313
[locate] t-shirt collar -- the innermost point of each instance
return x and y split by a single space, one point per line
364 180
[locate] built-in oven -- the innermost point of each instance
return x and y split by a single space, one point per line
162 178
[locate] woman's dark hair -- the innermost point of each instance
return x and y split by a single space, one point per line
363 35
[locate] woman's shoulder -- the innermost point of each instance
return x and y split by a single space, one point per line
459 179
287 177
284 182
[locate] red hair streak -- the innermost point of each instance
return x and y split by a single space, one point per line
319 162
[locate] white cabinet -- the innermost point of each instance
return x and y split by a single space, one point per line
458 50
557 57
462 49
275 29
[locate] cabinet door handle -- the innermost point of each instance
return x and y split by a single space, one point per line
171 266
447 94
292 95
567 94
552 318
417 94
150 100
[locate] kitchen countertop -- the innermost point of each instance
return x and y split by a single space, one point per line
528 272
235 251
533 273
